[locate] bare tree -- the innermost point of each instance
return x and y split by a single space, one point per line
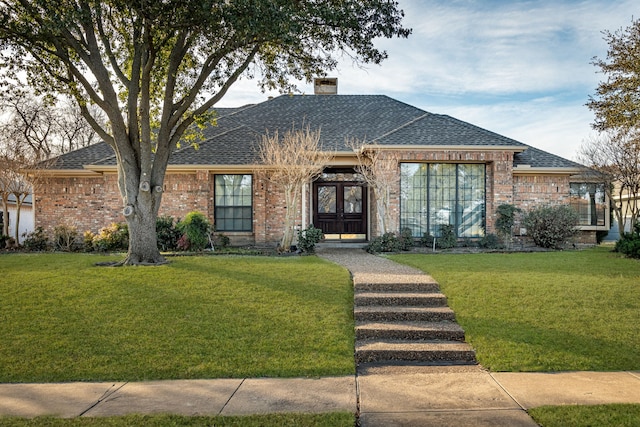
29 127
292 162
72 131
380 171
13 183
615 158
5 179
33 129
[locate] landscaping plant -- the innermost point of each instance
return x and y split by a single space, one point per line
551 226
629 243
196 230
113 238
167 233
36 241
64 238
506 217
308 238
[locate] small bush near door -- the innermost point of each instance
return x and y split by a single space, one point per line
308 238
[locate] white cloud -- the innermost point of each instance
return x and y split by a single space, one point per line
519 68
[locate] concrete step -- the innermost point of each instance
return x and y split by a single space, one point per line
437 352
393 313
420 299
397 287
419 331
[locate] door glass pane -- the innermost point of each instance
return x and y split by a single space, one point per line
326 199
352 199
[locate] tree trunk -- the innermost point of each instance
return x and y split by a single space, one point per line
5 215
143 242
142 202
291 202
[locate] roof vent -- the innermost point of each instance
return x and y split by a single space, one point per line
325 86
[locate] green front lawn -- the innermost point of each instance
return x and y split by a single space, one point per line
551 311
64 319
587 416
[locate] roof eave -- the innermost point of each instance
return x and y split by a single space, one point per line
529 170
514 148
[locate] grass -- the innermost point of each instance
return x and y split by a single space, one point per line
551 311
64 319
618 415
337 419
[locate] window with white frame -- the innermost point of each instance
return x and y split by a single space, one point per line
233 203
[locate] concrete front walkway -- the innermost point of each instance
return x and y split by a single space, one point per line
381 395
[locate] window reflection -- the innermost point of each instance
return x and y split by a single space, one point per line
439 194
352 199
326 199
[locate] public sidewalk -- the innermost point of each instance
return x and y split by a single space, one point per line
388 396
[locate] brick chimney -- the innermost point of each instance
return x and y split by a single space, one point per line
325 86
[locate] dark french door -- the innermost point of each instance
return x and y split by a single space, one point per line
340 209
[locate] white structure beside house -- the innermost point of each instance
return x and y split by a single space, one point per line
27 220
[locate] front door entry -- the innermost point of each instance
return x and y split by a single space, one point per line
340 210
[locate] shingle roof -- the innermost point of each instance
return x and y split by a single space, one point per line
541 159
90 155
376 119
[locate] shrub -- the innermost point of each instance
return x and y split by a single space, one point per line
629 243
406 239
183 243
447 237
490 241
87 241
167 233
3 241
427 240
64 238
551 226
388 242
196 227
221 241
112 238
446 240
308 238
37 240
504 223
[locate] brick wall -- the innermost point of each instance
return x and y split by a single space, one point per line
86 203
91 203
534 191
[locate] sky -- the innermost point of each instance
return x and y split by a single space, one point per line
518 68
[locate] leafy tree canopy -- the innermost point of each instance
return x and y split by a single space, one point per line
616 103
156 67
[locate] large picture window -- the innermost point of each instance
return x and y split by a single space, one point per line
233 203
436 194
588 199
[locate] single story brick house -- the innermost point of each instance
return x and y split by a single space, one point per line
448 172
